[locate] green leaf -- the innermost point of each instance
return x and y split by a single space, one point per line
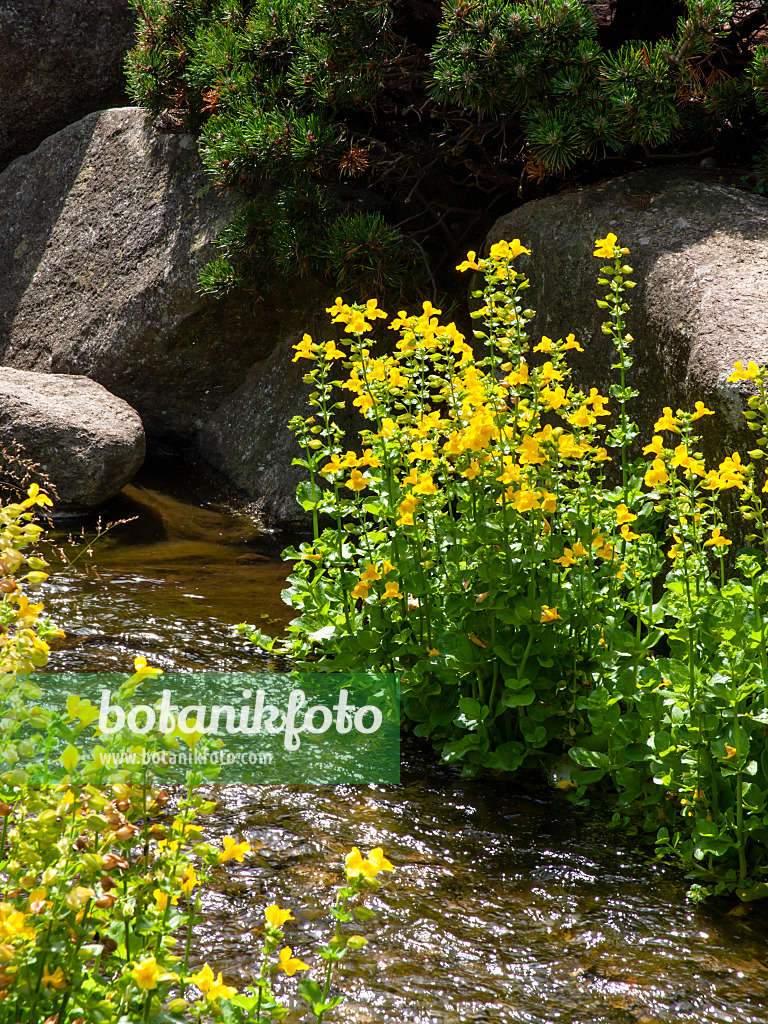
589 758
310 991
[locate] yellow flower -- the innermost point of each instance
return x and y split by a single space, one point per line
339 309
392 589
549 614
289 963
602 548
566 558
549 504
425 485
55 980
530 452
524 500
360 590
656 446
13 924
571 343
684 460
657 474
508 250
304 349
422 452
369 459
472 470
203 979
189 880
717 539
601 455
701 410
729 750
579 549
732 472
569 447
331 351
623 515
355 864
373 312
549 373
35 497
605 247
277 917
146 973
357 482
363 402
357 324
219 990
470 263
371 573
161 899
545 345
582 418
212 988
667 421
406 508
233 850
675 552
739 373
627 533
554 399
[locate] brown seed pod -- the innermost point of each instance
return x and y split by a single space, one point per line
107 882
125 833
114 860
106 902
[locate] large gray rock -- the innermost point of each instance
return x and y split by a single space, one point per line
59 60
105 229
700 256
85 441
248 441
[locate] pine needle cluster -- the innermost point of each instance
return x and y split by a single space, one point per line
360 132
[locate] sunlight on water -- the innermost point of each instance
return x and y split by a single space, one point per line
507 905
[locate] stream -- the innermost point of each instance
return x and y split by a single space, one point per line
507 903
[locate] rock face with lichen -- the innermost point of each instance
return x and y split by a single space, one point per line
106 227
58 62
699 252
86 442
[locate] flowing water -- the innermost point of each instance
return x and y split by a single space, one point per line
507 903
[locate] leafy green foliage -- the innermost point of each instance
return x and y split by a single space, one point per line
348 125
539 616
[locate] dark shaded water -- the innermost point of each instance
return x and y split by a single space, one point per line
507 904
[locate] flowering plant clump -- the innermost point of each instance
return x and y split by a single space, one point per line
532 607
97 872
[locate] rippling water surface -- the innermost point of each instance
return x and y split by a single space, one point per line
506 905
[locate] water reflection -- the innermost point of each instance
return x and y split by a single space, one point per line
169 582
507 905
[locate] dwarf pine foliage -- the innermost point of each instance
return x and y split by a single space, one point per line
364 134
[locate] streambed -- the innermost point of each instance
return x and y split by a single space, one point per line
507 904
